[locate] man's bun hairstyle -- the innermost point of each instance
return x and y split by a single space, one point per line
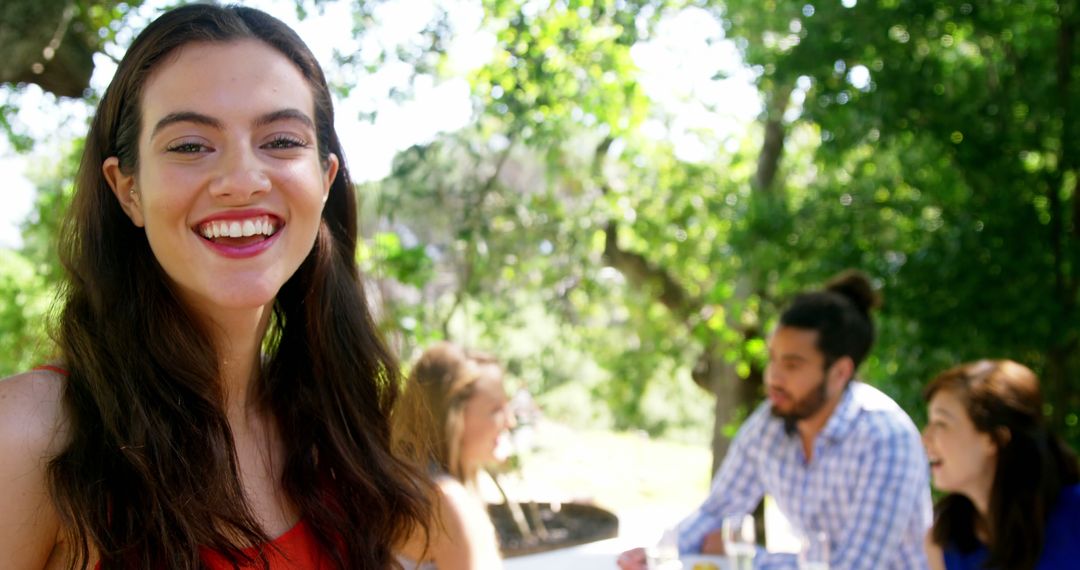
840 313
856 286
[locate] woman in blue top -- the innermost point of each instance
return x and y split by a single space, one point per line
1014 501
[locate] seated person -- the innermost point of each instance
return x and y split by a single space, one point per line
838 455
1014 501
450 419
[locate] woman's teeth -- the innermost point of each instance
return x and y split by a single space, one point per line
262 225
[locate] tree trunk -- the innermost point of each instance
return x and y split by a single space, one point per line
735 396
42 46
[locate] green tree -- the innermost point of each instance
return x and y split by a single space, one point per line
924 142
931 144
947 165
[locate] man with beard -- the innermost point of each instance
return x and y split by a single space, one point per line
837 455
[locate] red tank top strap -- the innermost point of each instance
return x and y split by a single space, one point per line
51 368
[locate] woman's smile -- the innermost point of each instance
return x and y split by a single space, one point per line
238 236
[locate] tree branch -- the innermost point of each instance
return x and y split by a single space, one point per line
772 149
644 275
637 270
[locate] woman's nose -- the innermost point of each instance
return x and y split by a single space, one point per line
242 175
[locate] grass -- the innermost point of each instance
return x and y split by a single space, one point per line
617 471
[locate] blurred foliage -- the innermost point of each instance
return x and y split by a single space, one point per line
24 302
29 277
932 144
928 143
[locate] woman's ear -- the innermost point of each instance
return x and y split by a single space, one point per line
330 172
123 187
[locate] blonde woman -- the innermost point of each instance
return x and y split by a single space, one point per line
450 419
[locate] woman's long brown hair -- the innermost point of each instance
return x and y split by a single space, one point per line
150 473
1003 399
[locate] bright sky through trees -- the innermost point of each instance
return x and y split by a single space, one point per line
677 68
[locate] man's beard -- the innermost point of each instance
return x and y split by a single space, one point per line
805 407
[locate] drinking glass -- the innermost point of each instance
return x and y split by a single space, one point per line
814 551
664 555
737 533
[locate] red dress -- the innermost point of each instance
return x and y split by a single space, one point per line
297 549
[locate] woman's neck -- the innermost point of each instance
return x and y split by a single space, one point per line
980 499
238 338
980 492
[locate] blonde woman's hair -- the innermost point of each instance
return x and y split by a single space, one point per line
430 421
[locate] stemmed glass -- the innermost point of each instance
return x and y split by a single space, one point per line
814 552
737 533
664 555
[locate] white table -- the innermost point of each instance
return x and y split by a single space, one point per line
637 527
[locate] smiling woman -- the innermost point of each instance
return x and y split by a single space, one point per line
221 397
1013 486
232 144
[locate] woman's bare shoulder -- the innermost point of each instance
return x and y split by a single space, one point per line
31 434
469 539
452 490
460 509
447 529
31 413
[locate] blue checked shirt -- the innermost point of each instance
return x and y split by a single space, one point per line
867 486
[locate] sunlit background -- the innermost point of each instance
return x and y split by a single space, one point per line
617 197
677 71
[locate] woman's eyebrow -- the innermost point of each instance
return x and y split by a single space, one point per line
262 120
186 117
285 115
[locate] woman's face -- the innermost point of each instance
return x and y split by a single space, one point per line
962 459
229 186
486 416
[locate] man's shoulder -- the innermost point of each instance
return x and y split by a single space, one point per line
872 399
881 415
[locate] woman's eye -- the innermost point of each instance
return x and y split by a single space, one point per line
187 147
283 142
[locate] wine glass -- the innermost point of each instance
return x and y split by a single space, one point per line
737 534
814 551
664 555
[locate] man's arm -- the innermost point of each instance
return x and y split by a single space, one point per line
886 499
736 488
